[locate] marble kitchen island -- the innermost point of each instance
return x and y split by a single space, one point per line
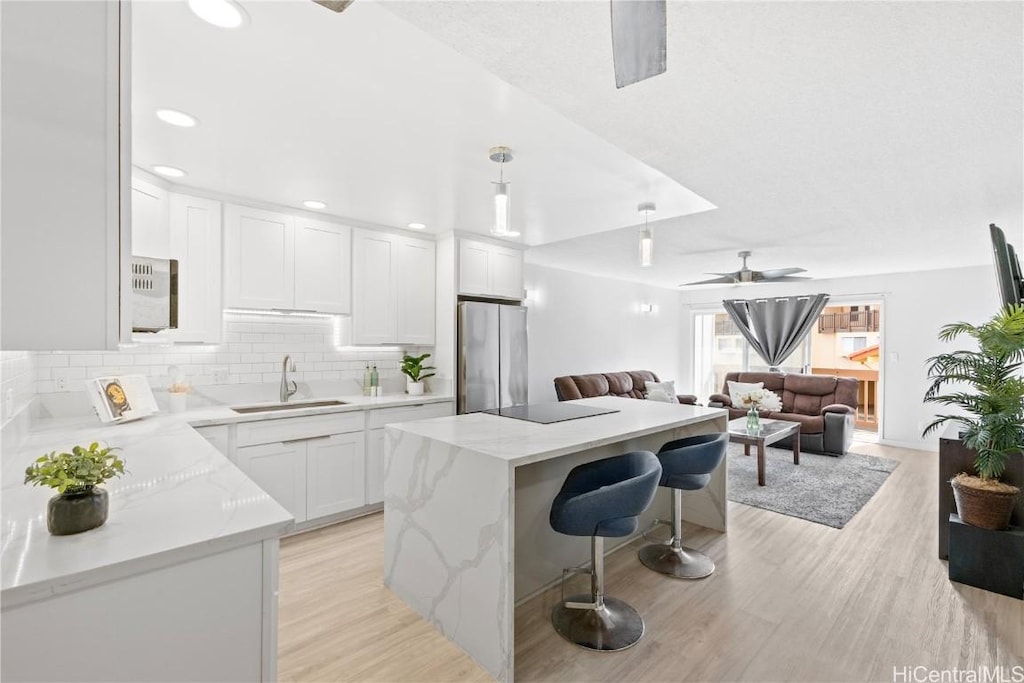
466 510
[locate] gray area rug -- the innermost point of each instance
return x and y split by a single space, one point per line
821 489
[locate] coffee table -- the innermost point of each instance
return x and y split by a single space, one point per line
771 431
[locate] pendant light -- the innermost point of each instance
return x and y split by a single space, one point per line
502 206
646 235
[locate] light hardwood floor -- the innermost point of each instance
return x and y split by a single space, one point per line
790 600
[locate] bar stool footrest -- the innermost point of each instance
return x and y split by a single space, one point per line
613 626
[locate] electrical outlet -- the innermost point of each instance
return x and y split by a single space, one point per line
220 375
61 379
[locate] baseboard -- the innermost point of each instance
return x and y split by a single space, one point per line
912 445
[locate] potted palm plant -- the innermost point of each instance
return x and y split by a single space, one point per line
413 368
80 504
986 385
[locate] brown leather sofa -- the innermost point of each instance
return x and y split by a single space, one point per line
824 406
625 384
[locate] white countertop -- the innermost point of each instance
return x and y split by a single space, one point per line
520 442
181 499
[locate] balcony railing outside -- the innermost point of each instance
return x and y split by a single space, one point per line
849 321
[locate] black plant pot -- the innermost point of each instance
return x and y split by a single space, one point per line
73 513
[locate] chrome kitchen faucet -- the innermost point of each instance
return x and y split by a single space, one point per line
287 392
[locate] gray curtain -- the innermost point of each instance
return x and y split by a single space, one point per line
776 327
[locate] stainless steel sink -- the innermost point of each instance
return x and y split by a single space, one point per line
275 407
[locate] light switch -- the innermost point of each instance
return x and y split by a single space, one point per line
894 357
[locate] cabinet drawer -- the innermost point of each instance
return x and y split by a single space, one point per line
385 416
288 429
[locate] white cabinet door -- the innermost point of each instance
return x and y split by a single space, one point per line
490 270
374 466
151 225
196 244
415 291
323 263
66 132
259 268
280 470
335 470
373 288
473 268
506 270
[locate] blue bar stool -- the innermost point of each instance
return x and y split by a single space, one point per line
686 465
599 499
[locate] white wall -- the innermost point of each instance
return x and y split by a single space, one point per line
580 324
914 307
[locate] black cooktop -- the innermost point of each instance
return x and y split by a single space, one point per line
547 413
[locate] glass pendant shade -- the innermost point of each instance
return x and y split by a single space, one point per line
646 248
502 209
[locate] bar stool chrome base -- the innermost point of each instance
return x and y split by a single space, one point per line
678 562
672 558
611 627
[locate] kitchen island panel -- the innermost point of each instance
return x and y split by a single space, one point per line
447 542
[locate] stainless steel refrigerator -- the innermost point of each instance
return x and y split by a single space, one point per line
492 364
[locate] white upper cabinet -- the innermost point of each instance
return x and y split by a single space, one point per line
259 263
374 320
276 261
151 234
490 270
392 289
66 131
416 294
195 236
323 260
168 225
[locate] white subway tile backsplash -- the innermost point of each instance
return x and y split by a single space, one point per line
254 346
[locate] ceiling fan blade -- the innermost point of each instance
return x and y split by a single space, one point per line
727 280
788 278
638 40
335 5
776 273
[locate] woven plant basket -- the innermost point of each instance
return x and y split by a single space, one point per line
984 509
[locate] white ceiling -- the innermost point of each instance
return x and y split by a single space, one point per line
848 138
367 113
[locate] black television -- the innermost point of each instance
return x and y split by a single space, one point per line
1008 273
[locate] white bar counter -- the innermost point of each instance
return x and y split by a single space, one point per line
466 510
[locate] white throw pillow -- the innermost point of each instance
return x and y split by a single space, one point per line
739 389
661 391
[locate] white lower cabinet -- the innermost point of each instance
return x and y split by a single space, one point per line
318 465
334 474
374 466
280 470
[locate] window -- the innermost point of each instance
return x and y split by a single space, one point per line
852 343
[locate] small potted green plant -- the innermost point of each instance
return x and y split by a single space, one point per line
413 368
991 412
80 504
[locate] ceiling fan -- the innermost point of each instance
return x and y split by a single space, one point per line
744 275
638 37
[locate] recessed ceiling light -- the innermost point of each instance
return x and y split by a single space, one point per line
169 171
417 226
314 204
222 13
177 118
